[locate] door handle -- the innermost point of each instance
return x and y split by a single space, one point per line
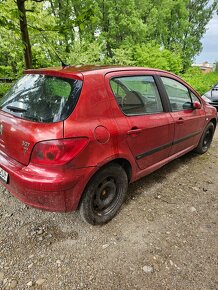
134 131
180 121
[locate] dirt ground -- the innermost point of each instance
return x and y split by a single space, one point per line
165 237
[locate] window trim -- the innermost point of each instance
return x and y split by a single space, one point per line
140 75
166 94
191 92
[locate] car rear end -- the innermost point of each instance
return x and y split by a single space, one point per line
34 155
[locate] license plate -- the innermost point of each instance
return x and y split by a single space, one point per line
3 175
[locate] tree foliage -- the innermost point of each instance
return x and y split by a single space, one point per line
200 81
155 33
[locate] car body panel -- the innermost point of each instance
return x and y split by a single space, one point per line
213 93
153 143
212 96
54 188
189 126
18 136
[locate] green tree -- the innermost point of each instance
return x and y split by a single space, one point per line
199 13
133 32
119 24
178 25
24 33
10 41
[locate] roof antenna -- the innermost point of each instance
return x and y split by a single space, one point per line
63 64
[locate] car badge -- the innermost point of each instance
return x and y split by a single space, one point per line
25 146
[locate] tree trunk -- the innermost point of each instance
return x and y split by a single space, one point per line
24 33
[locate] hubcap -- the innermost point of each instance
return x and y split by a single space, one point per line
105 196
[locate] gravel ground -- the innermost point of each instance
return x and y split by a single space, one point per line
165 237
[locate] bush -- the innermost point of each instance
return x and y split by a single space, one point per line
155 57
199 81
148 55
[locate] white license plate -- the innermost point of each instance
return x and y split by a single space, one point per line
3 175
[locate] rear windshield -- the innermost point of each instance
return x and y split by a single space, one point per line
42 98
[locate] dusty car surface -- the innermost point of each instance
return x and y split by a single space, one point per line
211 96
74 137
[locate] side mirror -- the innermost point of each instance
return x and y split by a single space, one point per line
196 105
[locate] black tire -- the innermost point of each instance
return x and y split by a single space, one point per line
104 195
206 139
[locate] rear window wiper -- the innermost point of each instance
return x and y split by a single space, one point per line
16 109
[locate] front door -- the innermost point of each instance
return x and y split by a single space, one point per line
189 122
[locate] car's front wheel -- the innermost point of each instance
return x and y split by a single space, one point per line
206 139
104 195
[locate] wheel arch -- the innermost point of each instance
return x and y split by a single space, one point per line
125 164
122 161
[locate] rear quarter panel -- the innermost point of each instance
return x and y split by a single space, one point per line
93 118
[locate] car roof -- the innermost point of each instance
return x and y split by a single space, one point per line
79 71
87 69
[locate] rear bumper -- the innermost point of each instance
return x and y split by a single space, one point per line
48 188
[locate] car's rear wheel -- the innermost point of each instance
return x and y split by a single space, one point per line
206 139
104 195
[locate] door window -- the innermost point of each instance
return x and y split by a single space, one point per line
136 95
178 95
194 98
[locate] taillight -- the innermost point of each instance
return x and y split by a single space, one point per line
57 151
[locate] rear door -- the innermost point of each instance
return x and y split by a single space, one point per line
189 122
141 118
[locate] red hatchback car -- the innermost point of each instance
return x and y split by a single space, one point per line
75 137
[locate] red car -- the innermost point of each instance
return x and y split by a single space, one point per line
74 137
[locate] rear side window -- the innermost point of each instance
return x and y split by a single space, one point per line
136 95
42 98
178 95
